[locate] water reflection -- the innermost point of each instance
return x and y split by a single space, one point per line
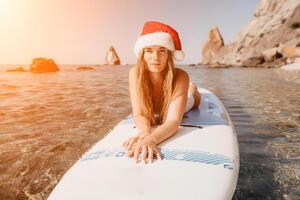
48 120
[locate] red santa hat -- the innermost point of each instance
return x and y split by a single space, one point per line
157 33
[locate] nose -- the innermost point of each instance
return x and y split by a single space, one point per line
155 55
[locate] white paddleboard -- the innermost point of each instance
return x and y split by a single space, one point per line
201 161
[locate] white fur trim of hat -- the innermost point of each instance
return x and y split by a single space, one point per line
161 39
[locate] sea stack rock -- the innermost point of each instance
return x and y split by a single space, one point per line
112 57
43 65
275 23
212 47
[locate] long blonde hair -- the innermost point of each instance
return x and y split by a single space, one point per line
145 89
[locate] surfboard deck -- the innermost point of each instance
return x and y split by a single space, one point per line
201 161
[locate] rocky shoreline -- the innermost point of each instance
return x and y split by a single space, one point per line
270 40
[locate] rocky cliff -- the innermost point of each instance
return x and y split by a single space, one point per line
271 39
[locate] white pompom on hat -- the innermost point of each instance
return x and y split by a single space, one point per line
157 33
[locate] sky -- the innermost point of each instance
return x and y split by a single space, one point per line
81 31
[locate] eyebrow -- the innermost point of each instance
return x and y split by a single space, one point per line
160 48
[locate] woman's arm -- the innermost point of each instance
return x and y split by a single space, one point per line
174 116
175 111
140 121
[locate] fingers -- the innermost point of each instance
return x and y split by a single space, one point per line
153 151
130 153
140 139
129 143
149 150
125 143
144 154
150 155
136 154
132 141
147 153
158 155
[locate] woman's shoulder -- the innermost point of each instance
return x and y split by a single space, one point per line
133 71
181 75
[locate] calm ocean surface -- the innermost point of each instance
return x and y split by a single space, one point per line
47 121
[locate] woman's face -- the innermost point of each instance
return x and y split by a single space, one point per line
156 58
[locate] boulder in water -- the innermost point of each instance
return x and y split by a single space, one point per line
43 65
84 68
18 69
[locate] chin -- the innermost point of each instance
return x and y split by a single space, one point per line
155 69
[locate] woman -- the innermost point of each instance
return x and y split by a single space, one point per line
159 92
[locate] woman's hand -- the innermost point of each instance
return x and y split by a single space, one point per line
148 148
130 142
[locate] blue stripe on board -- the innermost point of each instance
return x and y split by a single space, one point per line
179 155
